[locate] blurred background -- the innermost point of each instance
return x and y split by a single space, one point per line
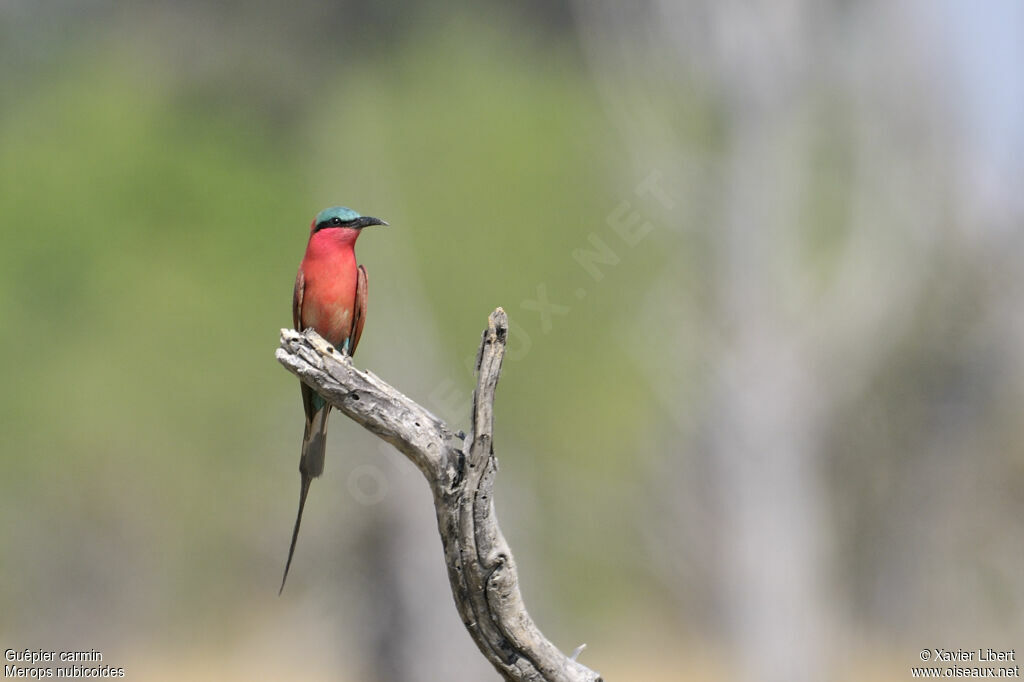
760 418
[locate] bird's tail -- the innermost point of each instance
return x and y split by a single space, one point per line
311 465
314 440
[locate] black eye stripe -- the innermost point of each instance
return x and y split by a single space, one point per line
335 221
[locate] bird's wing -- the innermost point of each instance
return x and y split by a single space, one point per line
360 308
307 392
300 288
309 396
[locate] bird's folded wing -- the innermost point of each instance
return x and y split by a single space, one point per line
300 288
360 308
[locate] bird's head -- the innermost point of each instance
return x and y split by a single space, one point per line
342 218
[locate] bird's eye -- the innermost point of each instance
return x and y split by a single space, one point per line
335 220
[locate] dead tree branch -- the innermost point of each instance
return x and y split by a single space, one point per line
461 472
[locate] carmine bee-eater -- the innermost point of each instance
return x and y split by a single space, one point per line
330 297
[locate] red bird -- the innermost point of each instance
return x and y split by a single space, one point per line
330 297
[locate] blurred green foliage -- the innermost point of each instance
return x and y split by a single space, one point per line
153 228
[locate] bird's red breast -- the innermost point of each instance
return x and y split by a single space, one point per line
330 273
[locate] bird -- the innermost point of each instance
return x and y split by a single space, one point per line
329 297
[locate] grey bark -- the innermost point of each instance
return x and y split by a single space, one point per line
460 470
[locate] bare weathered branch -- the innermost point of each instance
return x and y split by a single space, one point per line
461 473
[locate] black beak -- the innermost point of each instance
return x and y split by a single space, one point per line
366 221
